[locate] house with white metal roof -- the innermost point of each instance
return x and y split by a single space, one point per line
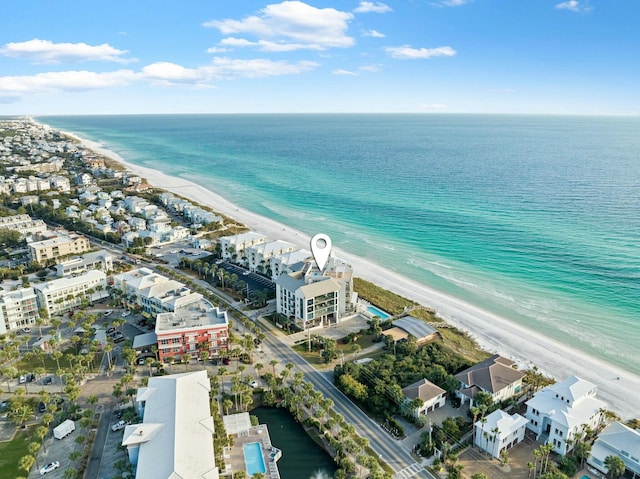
175 438
617 440
560 412
499 431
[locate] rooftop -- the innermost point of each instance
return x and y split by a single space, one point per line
176 436
198 315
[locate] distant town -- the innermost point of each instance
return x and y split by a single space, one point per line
139 330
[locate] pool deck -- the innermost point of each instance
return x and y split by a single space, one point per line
260 434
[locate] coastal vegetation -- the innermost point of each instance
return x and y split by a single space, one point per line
396 305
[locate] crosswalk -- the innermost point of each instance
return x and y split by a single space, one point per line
409 471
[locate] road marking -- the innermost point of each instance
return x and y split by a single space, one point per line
409 471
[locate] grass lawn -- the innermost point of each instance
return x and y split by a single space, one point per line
12 451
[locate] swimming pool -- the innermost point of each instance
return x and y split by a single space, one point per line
378 312
253 458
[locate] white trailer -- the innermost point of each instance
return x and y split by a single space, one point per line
64 429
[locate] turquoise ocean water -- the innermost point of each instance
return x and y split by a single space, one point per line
535 218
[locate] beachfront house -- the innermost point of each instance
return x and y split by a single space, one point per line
559 413
408 326
289 262
495 376
617 440
424 396
499 431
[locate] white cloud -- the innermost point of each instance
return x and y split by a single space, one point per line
344 72
64 81
406 52
369 68
45 51
292 23
366 7
373 33
266 46
228 68
217 50
574 6
166 73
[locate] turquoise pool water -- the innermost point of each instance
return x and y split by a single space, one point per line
378 312
253 458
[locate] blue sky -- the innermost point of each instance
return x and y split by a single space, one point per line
245 56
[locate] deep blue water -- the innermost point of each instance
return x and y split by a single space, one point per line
536 218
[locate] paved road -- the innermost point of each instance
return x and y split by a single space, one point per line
389 449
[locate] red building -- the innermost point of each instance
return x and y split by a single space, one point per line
192 330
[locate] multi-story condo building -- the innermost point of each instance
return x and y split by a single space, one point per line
24 224
48 251
18 309
101 260
233 247
310 298
153 292
63 294
560 412
289 262
258 256
192 329
175 437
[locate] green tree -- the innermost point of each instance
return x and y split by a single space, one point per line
615 466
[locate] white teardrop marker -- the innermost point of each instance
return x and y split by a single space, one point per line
321 249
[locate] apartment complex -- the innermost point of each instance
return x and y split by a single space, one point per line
152 292
24 224
191 330
311 299
48 251
18 309
61 295
175 437
233 247
100 260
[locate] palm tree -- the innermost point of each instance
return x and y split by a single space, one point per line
186 359
615 466
33 449
273 363
26 463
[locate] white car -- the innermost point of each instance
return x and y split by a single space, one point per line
253 383
119 425
52 466
26 330
108 312
126 313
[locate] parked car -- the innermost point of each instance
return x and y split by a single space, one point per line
22 379
119 425
26 330
52 466
126 313
108 312
47 380
42 407
118 338
253 383
226 361
111 331
31 377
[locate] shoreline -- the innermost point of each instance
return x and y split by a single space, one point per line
492 333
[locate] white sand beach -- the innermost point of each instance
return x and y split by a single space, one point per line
527 347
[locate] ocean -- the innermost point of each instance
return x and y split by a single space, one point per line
534 218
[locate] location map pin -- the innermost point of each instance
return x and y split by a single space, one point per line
321 249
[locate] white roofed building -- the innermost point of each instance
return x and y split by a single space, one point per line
558 413
289 262
175 438
617 440
233 247
258 256
63 294
101 260
18 309
24 224
499 431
